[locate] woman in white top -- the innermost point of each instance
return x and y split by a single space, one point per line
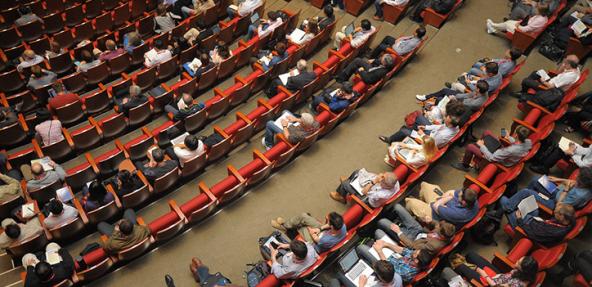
219 54
413 154
188 150
535 24
310 30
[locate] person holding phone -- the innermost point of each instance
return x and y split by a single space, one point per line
377 189
292 264
324 236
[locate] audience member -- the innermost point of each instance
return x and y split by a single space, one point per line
268 59
243 9
440 6
455 206
328 19
10 187
49 130
336 99
27 16
55 49
88 60
15 233
546 232
384 275
42 177
579 117
323 236
8 116
567 74
311 28
156 166
505 65
157 55
62 97
164 20
184 108
95 195
205 65
298 78
377 189
358 37
220 53
371 71
59 213
124 233
379 14
188 150
28 59
551 154
523 274
265 27
490 149
294 128
473 100
201 274
467 82
125 182
441 133
402 45
415 155
41 273
40 78
135 99
111 51
535 24
132 40
292 264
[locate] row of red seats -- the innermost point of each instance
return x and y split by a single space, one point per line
523 40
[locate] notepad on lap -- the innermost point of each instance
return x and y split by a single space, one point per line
64 194
28 210
180 139
528 205
194 65
297 34
549 186
387 252
564 143
284 77
285 115
543 74
578 28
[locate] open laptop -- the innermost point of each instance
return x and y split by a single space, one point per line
349 30
354 267
216 29
255 18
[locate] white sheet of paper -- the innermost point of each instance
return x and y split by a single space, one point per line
415 135
357 186
543 74
195 64
180 139
297 34
528 205
387 252
564 143
443 102
265 60
28 210
284 77
64 194
53 257
278 121
578 28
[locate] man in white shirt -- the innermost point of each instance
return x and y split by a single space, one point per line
384 276
244 8
379 14
159 54
291 265
567 74
377 188
189 149
59 214
28 59
442 133
358 37
265 27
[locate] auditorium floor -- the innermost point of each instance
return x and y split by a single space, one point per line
227 241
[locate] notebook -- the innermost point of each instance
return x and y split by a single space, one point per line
255 18
284 77
543 74
297 34
528 205
349 29
579 28
216 29
194 65
180 139
64 194
28 210
565 142
44 161
387 252
278 121
53 257
491 143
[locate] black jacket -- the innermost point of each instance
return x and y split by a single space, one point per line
374 74
132 103
61 271
443 6
298 82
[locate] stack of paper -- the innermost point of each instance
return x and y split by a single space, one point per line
528 205
28 210
297 34
543 74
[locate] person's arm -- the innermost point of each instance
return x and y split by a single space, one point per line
59 170
339 105
402 237
67 261
13 186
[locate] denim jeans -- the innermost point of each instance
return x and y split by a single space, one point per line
251 30
271 129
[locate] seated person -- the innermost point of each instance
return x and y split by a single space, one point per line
124 233
324 236
164 21
8 116
40 78
417 156
298 79
201 6
505 155
55 49
268 59
62 97
205 65
41 273
28 59
564 31
220 53
440 6
370 70
135 99
522 9
535 23
407 262
576 193
245 8
42 177
156 166
358 37
265 27
384 275
95 195
201 274
579 116
328 19
547 232
582 264
468 82
379 14
111 51
473 100
410 233
294 128
455 206
337 99
14 233
10 187
188 150
185 107
311 28
402 45
157 55
87 61
566 75
376 188
125 182
292 264
48 130
59 213
523 274
132 40
441 133
505 65
27 16
581 156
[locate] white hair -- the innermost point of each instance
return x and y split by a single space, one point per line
301 65
134 90
307 119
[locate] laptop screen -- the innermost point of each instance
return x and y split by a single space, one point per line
349 29
349 260
254 17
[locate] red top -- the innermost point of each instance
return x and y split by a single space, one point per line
62 100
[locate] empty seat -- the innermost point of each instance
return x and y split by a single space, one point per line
121 14
74 15
220 149
113 125
54 5
11 81
97 74
103 23
166 181
146 26
145 79
58 151
84 31
207 79
96 101
167 69
12 134
93 8
10 38
74 82
80 175
31 30
139 114
64 38
227 67
40 45
53 23
86 137
70 113
45 193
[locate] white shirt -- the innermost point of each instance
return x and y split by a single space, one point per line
271 26
566 79
378 196
247 7
441 133
394 2
416 159
286 268
185 155
305 39
582 156
28 63
67 215
359 38
160 57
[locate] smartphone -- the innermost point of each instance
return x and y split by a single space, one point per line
438 191
503 132
274 245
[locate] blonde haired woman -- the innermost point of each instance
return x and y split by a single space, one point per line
416 155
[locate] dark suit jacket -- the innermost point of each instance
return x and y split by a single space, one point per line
373 75
61 271
298 82
132 103
443 6
152 173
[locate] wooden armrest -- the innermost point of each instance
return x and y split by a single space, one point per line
121 147
498 257
283 138
140 221
218 92
264 103
173 205
79 207
94 123
232 171
166 87
23 123
525 124
101 86
503 168
144 180
588 141
241 116
478 183
146 131
404 162
125 76
92 162
316 64
186 76
221 132
4 100
476 283
37 148
361 203
238 79
545 209
68 137
170 116
336 54
533 105
283 89
110 189
391 51
242 43
520 231
104 238
205 189
261 156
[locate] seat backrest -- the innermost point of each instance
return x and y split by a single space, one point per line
121 14
227 67
218 108
93 8
219 150
85 138
239 95
138 8
135 250
188 54
96 102
243 134
227 32
138 54
53 23
11 81
103 213
146 26
195 121
57 151
97 74
78 178
187 87
208 78
137 148
119 64
104 22
65 38
40 45
31 30
74 82
193 165
74 15
67 230
28 245
139 114
166 181
45 193
136 197
146 78
84 31
61 63
168 69
28 100
109 163
70 113
113 125
55 5
10 38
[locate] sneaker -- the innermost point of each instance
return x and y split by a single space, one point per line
420 98
264 143
490 28
169 280
337 197
277 225
460 166
448 85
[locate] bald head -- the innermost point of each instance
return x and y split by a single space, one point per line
37 169
389 180
110 45
187 99
572 58
301 65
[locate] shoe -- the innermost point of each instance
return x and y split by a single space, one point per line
505 19
337 197
416 19
460 166
169 281
448 85
377 18
490 28
420 97
264 143
342 178
275 224
383 139
538 169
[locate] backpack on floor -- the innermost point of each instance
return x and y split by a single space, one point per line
483 232
258 272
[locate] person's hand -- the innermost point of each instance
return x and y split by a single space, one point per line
572 149
360 69
569 184
480 143
125 100
421 132
285 122
283 246
395 228
363 280
52 163
378 245
358 29
313 231
273 252
427 219
518 214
